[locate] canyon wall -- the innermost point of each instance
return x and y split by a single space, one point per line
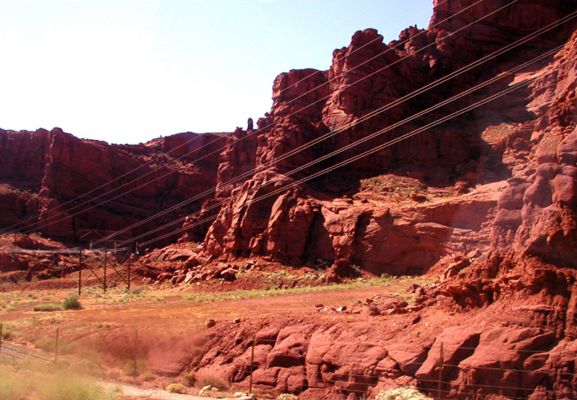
81 190
338 217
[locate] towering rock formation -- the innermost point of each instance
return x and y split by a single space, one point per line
312 220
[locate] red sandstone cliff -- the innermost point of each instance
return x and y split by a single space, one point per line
44 176
493 190
340 217
501 320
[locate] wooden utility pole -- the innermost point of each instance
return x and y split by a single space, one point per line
79 272
440 377
129 275
56 344
104 283
251 364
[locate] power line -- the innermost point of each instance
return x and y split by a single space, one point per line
332 133
45 223
358 157
283 189
70 251
367 138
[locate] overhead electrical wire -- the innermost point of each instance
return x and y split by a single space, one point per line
501 51
372 151
30 227
319 139
350 160
188 227
45 223
332 133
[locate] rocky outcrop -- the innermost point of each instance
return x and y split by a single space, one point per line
513 178
530 268
78 189
490 198
261 219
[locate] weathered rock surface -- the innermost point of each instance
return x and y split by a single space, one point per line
490 197
49 179
513 175
334 218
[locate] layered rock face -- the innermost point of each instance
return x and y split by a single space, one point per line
501 322
77 189
531 263
338 217
490 196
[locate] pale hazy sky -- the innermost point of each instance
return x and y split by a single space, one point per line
126 71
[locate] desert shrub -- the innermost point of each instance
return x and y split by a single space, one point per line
47 307
137 290
176 388
88 366
7 333
71 303
207 379
189 379
64 388
45 343
401 394
48 344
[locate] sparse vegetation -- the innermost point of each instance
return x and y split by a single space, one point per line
134 367
215 381
61 387
71 303
47 307
45 343
148 376
287 396
17 383
189 378
176 388
10 388
7 333
256 293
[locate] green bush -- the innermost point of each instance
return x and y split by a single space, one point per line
47 307
71 303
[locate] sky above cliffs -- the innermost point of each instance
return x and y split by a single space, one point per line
126 71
